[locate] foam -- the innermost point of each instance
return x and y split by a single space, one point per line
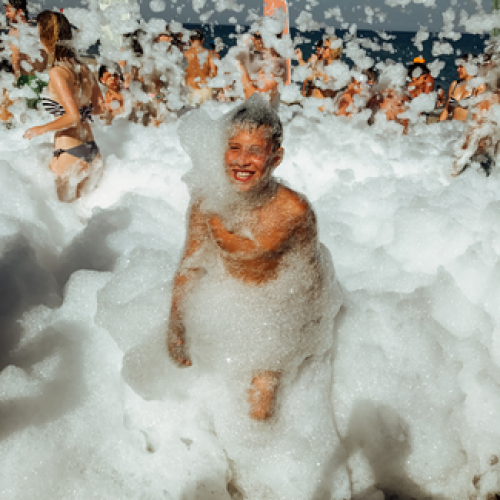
89 401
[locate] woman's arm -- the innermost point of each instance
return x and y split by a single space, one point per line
60 83
446 110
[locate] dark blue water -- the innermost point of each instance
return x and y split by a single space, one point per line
405 51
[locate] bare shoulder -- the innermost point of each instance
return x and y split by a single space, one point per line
60 73
293 204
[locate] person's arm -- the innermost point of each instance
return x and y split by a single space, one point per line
213 66
196 236
60 83
446 111
305 85
429 84
15 55
268 239
265 85
344 102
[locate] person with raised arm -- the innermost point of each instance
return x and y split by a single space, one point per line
201 67
73 96
318 84
262 69
265 247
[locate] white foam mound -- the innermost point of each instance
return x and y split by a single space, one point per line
90 405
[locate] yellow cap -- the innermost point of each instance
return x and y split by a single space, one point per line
419 59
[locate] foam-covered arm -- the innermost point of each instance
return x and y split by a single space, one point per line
269 238
185 275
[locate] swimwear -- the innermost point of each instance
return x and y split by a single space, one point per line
86 152
463 103
56 109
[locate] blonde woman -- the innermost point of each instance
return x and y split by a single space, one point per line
73 96
460 94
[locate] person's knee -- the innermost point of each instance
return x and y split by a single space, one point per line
262 395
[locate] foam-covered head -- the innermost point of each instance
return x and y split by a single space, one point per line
253 149
256 113
207 143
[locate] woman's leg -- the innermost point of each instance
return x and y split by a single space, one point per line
68 169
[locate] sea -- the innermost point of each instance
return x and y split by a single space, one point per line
402 41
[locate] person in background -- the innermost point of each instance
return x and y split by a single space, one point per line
460 93
24 67
362 88
393 103
73 97
262 69
130 70
482 132
5 102
318 84
441 97
201 67
114 101
421 80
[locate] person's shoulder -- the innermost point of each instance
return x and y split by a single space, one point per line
60 72
292 203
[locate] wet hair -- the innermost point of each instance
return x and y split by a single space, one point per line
6 66
134 41
466 58
19 5
336 52
178 42
371 74
54 27
197 34
422 66
252 116
113 70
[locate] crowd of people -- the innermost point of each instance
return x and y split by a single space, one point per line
160 76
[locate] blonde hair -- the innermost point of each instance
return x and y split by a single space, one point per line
337 52
54 28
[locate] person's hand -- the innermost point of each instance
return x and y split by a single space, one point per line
177 346
33 132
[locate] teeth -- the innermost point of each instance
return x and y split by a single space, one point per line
243 175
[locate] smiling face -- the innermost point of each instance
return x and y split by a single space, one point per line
111 80
250 159
12 14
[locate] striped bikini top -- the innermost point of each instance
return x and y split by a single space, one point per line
56 109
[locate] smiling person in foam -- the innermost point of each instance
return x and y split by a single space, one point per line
255 294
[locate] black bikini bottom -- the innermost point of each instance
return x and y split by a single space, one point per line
86 152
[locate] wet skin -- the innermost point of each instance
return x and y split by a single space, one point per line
277 226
